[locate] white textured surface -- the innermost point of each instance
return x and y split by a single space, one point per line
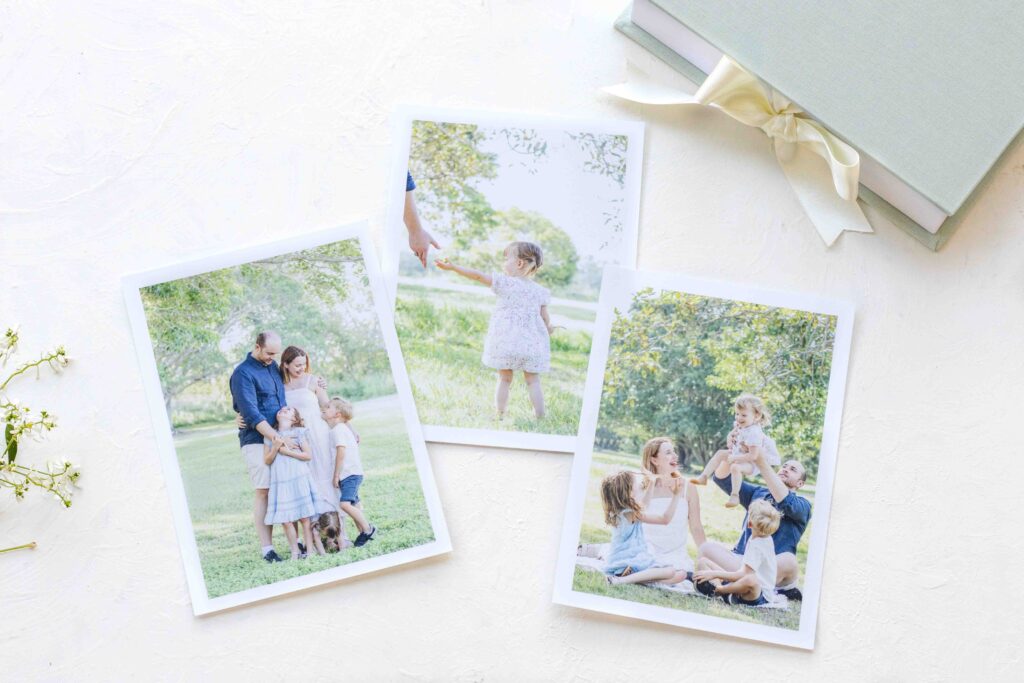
134 135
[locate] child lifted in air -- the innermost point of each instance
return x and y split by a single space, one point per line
748 430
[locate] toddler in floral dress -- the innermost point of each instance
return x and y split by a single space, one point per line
518 337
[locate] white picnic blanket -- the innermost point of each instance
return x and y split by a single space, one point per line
594 564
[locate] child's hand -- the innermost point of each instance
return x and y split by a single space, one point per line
278 441
704 575
239 421
322 383
444 264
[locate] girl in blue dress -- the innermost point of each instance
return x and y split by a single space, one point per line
293 495
628 559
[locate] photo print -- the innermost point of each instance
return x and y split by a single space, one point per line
499 229
284 418
703 472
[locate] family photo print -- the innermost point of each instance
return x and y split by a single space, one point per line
284 418
703 471
499 229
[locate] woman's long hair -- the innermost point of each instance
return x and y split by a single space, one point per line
290 354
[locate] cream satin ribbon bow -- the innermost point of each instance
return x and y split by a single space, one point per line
829 202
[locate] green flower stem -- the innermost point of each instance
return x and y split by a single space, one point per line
26 367
31 546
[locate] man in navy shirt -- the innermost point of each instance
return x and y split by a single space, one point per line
257 393
780 491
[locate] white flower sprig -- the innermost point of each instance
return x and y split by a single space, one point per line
19 423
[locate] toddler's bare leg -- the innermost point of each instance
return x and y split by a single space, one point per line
738 470
501 392
712 465
536 393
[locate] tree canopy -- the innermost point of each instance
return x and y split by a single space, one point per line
449 163
201 326
676 361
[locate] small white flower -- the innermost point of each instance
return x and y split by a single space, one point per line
10 337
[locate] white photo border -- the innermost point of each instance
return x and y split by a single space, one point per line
396 240
618 283
131 284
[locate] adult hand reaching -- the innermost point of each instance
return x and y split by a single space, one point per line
420 242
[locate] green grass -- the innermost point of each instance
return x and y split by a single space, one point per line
220 502
721 524
593 582
442 335
484 301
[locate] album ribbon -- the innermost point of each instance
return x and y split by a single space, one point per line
827 192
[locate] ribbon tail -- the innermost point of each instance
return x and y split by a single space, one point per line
812 182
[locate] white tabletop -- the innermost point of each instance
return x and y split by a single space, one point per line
134 136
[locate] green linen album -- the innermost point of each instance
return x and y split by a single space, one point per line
933 97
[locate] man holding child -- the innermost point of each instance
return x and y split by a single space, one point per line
795 514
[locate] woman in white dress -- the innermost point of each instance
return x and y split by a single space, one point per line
306 393
666 542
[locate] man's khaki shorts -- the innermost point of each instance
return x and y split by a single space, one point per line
259 472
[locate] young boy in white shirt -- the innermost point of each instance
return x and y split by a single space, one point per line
754 582
348 468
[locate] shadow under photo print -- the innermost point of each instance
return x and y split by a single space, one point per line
702 482
496 317
283 413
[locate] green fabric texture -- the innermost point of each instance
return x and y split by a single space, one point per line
878 206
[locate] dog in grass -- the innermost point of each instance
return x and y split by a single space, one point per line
328 525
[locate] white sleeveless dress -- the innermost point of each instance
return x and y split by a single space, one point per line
667 542
321 466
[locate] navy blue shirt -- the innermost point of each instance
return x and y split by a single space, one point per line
257 392
410 184
796 513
